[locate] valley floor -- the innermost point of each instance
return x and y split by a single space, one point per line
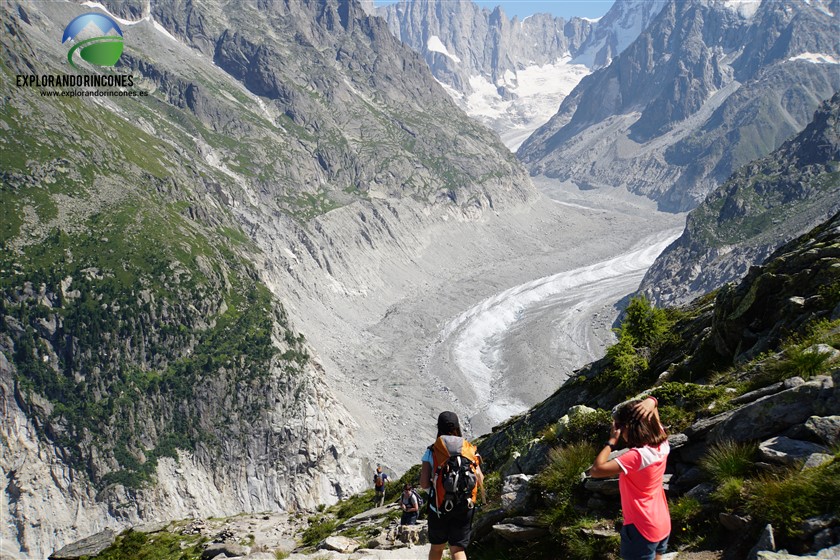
499 317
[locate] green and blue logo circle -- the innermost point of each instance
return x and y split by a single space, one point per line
100 39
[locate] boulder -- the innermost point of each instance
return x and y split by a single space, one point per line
675 441
772 414
88 546
414 534
814 525
817 460
766 542
515 492
822 429
689 478
370 514
519 533
341 544
732 522
786 451
151 527
224 550
832 553
526 521
483 524
702 492
531 462
603 486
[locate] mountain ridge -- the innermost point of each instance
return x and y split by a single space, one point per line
733 90
762 206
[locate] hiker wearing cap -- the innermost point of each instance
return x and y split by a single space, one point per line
451 472
379 481
647 522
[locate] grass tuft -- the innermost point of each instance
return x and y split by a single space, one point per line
727 460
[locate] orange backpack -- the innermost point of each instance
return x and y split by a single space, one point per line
454 461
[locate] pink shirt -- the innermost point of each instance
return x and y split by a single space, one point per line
643 499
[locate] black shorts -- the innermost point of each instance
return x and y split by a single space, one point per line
454 528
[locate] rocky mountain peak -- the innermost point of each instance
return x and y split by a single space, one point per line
688 102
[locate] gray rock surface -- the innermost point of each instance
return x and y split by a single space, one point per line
749 217
89 546
677 111
340 544
508 73
786 451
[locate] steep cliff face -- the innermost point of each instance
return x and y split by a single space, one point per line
763 205
705 89
151 360
512 74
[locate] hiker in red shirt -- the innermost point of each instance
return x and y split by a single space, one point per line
647 522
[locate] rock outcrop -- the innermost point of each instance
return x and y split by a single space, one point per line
763 205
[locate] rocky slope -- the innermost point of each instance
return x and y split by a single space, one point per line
705 89
509 73
763 205
749 375
159 250
752 402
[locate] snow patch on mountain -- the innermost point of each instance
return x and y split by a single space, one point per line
745 8
434 44
816 58
522 101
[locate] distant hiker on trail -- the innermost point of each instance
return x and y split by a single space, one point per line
647 522
410 505
379 481
450 471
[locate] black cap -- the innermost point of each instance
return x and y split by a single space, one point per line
447 422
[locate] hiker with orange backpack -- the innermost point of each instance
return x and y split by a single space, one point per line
451 472
379 481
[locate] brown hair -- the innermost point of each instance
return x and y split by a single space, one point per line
638 432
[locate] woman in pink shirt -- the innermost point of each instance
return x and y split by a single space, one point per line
647 522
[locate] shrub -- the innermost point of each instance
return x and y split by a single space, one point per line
677 419
803 362
591 427
562 476
730 492
647 325
626 364
579 543
318 530
798 357
679 403
493 486
132 545
690 522
788 499
684 511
